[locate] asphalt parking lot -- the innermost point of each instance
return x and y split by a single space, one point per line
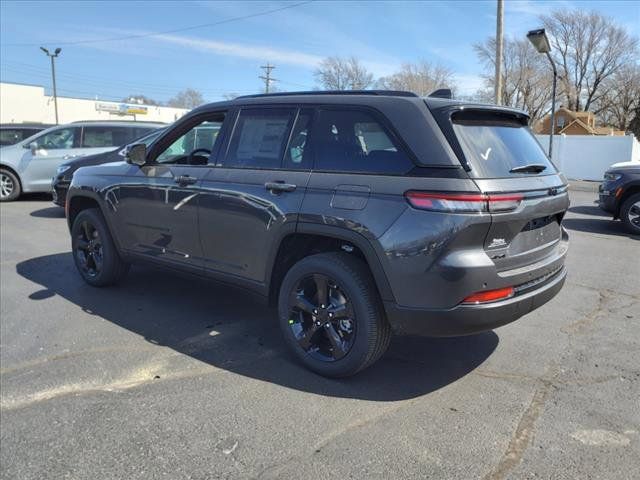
167 376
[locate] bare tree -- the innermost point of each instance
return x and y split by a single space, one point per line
526 75
421 78
336 73
588 48
188 98
621 97
140 100
634 124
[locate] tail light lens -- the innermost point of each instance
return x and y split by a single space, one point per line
489 296
464 202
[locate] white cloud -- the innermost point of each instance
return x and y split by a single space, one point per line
254 52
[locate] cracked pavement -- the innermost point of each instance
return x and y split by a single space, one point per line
166 376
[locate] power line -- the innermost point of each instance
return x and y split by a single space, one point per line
267 76
176 30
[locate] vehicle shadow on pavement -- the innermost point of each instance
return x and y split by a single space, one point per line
589 210
227 328
49 212
602 226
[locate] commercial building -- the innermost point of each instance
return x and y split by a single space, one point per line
20 103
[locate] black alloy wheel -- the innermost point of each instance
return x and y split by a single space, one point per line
89 249
94 252
331 314
321 318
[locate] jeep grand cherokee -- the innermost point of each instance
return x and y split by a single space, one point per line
357 214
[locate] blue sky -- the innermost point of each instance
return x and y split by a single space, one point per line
226 58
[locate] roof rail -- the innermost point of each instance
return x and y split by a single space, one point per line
387 93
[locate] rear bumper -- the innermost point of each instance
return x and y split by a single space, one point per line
470 319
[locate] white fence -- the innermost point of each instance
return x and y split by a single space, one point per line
587 157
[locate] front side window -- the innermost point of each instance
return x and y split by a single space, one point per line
103 137
260 138
355 141
196 145
59 139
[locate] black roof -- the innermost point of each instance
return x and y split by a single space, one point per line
385 93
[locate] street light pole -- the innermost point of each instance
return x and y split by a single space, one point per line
539 40
52 56
553 103
498 73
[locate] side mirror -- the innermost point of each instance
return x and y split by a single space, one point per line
33 146
136 154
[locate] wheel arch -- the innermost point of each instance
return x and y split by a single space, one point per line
309 239
78 201
630 189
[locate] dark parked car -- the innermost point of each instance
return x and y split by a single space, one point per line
64 173
619 194
12 133
358 214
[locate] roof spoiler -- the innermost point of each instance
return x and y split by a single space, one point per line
442 93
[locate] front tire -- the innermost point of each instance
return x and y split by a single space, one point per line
9 186
331 314
94 252
630 213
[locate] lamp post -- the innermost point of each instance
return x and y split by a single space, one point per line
52 56
539 40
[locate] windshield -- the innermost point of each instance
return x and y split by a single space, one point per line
496 148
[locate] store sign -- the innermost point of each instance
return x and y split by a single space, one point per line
121 108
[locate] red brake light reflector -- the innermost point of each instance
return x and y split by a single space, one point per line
489 296
464 202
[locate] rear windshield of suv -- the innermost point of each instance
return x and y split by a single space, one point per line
496 145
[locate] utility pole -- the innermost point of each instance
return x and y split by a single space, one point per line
52 56
498 79
267 76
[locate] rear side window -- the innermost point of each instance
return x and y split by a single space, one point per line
107 136
59 139
297 155
260 138
496 145
355 141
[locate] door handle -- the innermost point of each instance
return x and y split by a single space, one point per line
280 186
183 180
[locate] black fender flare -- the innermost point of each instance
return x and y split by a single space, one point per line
359 241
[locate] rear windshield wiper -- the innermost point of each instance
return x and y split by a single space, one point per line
533 168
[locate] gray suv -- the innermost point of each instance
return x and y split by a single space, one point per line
30 164
356 214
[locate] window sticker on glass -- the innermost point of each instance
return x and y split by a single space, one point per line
485 155
261 137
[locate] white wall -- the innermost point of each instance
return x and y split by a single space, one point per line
28 103
587 157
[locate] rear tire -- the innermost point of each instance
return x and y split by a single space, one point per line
94 252
343 335
630 213
9 186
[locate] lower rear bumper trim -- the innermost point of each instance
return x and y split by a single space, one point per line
470 319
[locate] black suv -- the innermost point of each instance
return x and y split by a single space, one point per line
619 194
356 213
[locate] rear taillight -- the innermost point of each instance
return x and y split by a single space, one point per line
489 296
464 202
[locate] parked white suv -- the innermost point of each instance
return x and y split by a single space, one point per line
29 165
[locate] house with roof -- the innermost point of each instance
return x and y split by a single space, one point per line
569 122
